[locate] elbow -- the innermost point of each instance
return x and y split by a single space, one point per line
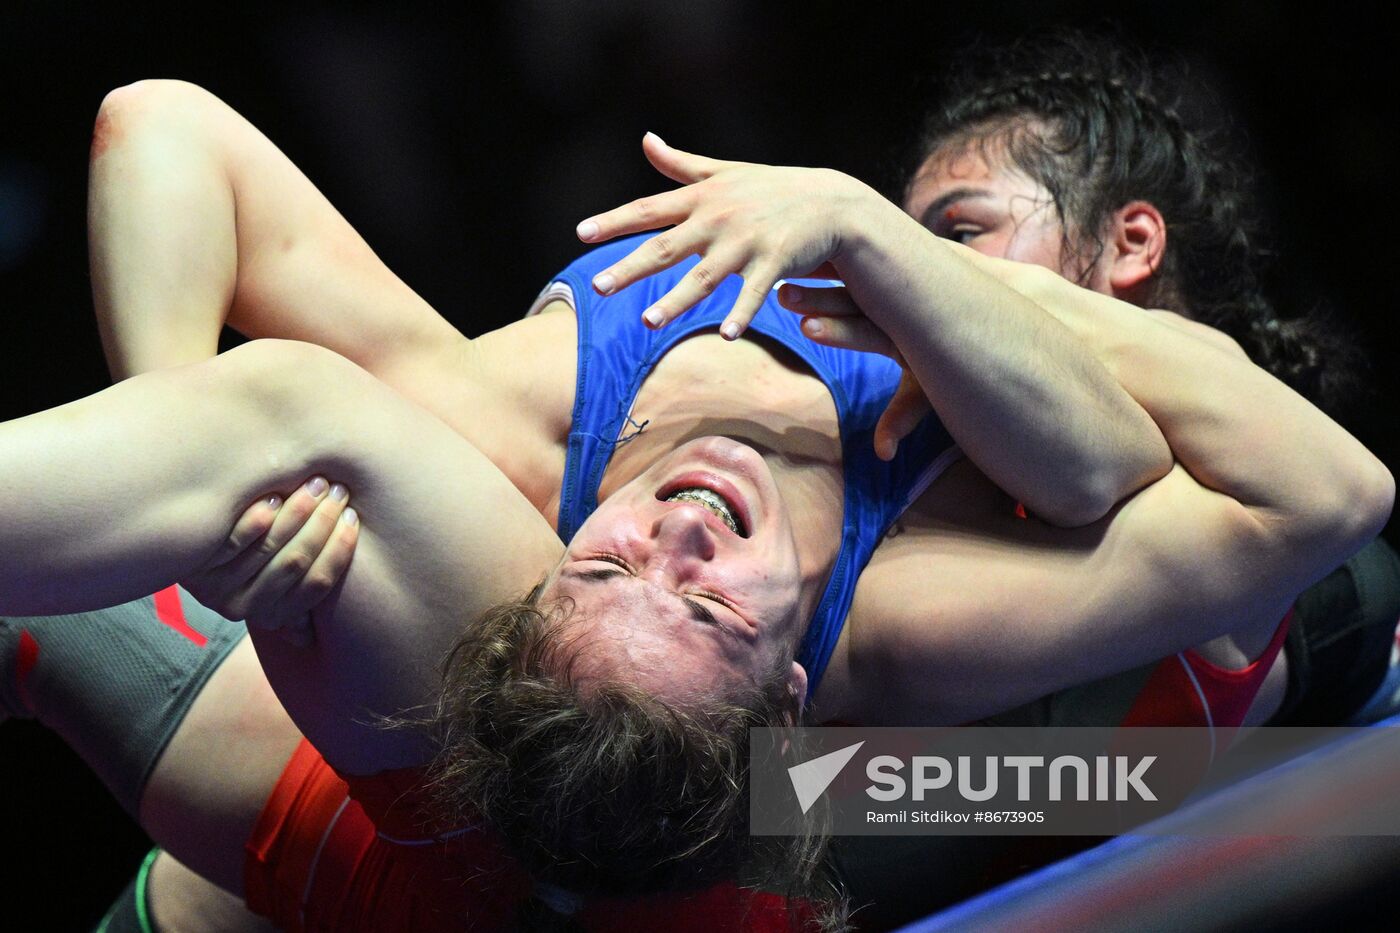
1375 499
1083 507
1354 511
1100 490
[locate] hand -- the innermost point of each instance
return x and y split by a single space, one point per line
282 560
830 317
759 221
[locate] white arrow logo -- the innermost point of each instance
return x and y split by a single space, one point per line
811 778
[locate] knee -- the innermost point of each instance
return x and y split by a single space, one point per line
147 105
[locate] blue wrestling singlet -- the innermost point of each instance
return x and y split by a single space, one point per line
616 351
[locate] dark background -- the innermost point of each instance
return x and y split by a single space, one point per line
464 146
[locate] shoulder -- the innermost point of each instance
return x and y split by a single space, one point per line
519 407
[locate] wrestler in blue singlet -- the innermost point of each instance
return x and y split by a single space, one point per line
615 354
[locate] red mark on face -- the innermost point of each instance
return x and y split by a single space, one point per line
105 133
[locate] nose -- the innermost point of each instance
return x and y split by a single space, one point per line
681 531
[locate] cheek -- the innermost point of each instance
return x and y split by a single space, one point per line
1036 243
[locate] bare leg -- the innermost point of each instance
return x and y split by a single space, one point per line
181 901
208 787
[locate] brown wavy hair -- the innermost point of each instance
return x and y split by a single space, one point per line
608 791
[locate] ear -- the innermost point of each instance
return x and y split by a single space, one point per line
1139 238
797 694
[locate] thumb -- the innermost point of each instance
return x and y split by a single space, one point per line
677 165
907 407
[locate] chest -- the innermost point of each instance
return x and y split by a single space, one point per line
753 390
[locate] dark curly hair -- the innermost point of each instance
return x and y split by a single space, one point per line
1097 124
607 790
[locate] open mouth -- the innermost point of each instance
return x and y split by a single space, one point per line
713 502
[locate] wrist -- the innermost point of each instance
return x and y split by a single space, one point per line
858 215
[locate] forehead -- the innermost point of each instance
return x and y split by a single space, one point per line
975 166
628 634
642 618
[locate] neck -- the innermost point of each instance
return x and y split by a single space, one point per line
782 411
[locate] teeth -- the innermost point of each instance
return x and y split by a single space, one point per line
711 500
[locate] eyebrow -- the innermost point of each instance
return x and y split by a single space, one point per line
947 200
698 611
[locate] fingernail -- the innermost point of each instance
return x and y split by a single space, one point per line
315 486
654 317
349 517
338 492
274 502
604 283
794 294
657 138
813 327
729 330
587 230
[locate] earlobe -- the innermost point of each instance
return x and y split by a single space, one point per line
1140 243
797 694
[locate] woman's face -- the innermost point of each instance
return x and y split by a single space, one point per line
970 194
686 580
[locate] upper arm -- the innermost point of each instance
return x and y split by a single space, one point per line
302 271
119 494
972 610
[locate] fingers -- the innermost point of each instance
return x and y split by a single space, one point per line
850 333
304 549
758 284
660 210
677 165
700 283
818 302
304 569
291 611
250 526
660 252
257 536
906 408
290 519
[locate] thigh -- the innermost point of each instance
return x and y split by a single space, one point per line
209 785
179 900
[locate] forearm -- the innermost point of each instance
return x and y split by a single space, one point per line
1029 402
161 234
1235 428
196 220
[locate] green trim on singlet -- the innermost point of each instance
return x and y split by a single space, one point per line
142 912
138 894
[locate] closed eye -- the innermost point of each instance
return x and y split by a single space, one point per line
614 559
700 611
598 574
963 235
